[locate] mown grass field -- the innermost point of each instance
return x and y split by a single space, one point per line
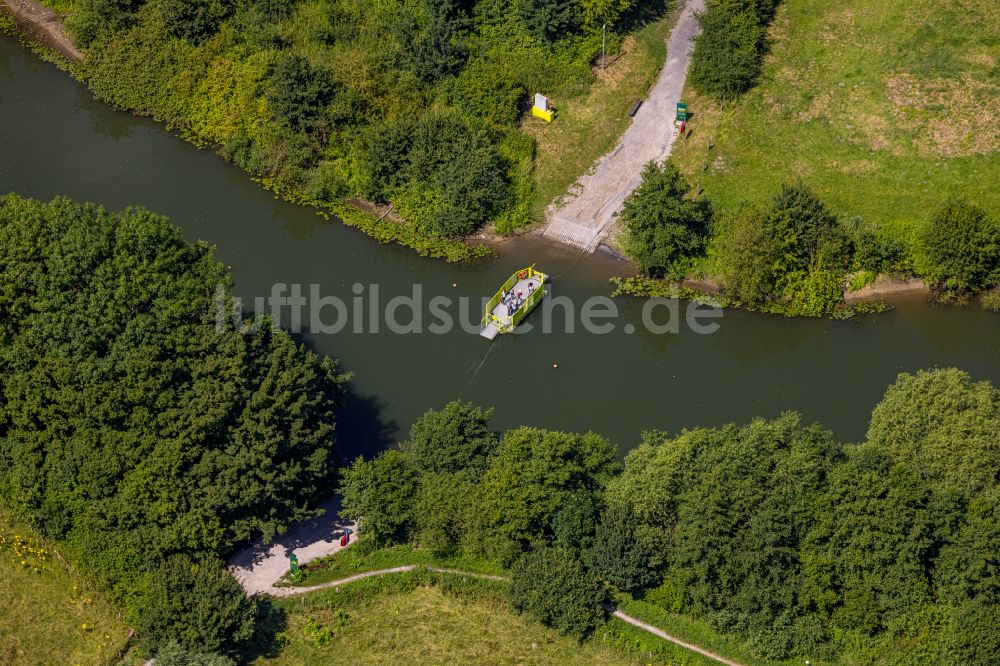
590 124
883 108
49 615
423 625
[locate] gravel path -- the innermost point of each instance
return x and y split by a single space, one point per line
586 219
260 566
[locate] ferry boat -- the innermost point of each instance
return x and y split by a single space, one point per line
517 297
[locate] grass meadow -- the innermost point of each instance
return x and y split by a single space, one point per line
48 614
883 108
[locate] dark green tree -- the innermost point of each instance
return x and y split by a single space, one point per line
433 42
944 424
136 419
868 561
727 510
452 162
745 255
618 555
193 20
531 476
727 55
552 585
574 524
488 90
958 249
90 18
379 493
969 564
551 20
299 92
442 510
174 654
805 232
665 227
198 604
453 438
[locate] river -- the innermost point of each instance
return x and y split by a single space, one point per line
55 139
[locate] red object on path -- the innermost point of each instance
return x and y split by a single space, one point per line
683 125
343 540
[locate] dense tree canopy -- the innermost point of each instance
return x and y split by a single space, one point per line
531 476
729 51
453 438
552 585
196 604
380 492
619 554
496 497
133 424
880 552
665 226
809 547
744 255
947 426
959 248
324 98
788 257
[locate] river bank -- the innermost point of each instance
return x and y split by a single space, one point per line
59 140
121 72
386 225
39 23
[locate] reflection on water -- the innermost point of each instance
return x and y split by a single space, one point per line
54 139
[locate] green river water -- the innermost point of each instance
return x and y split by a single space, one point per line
55 139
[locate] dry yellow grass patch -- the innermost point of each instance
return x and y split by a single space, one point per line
952 116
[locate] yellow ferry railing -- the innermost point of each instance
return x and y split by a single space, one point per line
507 324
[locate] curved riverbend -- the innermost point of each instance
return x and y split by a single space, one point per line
55 139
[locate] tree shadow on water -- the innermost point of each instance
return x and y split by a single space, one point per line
361 428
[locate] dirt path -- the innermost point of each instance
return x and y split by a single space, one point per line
586 219
260 566
41 23
292 591
667 637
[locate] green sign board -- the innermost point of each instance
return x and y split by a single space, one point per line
682 112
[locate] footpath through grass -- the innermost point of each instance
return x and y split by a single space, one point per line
353 560
590 124
355 612
883 108
427 618
698 633
425 625
48 614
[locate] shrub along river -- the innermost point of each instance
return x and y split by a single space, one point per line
55 139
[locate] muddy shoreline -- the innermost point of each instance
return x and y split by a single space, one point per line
39 23
888 287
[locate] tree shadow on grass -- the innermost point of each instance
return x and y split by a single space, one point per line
642 14
268 639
